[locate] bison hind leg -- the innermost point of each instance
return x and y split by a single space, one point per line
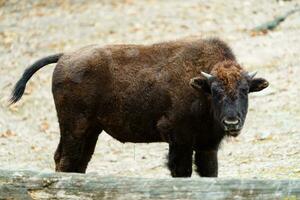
74 153
79 133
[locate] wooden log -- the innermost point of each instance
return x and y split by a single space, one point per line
34 185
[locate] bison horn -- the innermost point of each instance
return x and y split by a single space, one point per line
206 75
252 74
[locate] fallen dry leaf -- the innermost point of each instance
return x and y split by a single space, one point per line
44 126
7 133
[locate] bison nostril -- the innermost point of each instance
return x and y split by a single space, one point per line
231 121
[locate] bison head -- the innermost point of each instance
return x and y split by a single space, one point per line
228 86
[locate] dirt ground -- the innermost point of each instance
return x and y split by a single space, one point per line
269 146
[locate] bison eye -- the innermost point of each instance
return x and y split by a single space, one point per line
217 92
244 91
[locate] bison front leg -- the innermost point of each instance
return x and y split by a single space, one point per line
207 163
180 160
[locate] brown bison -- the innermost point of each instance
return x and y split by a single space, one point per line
190 94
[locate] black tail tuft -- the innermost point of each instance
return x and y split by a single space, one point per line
19 89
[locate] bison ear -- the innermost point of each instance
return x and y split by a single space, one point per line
258 84
200 83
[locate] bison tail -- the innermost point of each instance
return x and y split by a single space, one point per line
21 84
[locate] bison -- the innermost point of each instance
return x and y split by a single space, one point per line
188 93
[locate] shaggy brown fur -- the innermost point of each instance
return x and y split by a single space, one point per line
139 93
229 73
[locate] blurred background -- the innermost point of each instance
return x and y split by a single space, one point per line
269 146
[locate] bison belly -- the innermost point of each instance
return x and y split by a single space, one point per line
134 116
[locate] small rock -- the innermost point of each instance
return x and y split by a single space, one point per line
264 136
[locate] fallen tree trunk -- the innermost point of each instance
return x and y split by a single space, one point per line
34 185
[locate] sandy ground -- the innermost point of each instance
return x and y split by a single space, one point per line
269 145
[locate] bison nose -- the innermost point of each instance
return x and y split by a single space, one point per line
231 123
